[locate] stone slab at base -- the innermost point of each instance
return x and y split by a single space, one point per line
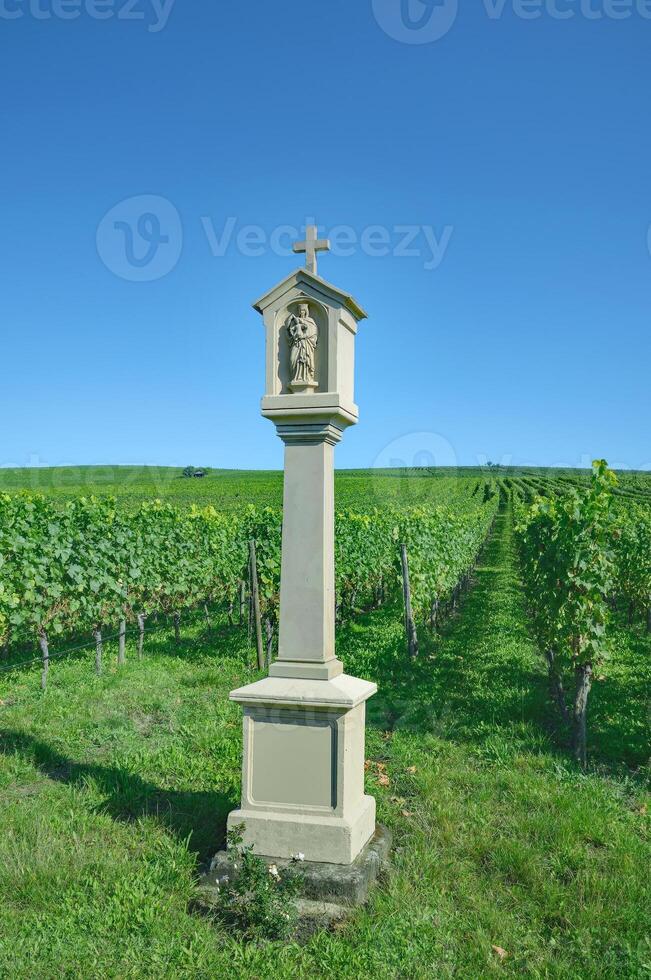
333 886
324 839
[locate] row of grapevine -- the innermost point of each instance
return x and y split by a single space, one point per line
580 550
443 547
632 547
75 569
568 573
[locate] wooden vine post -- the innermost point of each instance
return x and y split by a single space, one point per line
242 600
255 601
269 634
141 633
42 639
98 651
410 625
208 619
122 639
177 627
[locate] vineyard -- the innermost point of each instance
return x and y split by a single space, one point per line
88 566
582 552
506 617
92 567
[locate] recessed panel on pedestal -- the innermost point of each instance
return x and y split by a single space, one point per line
293 760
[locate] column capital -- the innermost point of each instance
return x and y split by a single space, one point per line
309 433
317 411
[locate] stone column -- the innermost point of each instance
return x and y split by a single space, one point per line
306 646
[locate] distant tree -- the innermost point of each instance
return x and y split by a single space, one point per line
189 471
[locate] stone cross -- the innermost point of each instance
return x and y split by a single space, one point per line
311 246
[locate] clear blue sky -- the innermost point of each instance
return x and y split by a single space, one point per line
521 144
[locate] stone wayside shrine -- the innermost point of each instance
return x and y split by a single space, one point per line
304 725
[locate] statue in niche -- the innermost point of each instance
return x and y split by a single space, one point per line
303 338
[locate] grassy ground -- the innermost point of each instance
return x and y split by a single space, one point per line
620 703
508 860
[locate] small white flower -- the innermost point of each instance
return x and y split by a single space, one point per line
298 857
273 871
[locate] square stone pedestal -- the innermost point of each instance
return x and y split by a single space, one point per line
303 768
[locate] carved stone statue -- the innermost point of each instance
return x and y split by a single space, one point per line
303 338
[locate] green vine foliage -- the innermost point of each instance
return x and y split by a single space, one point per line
77 567
632 546
364 558
35 550
264 526
442 546
569 568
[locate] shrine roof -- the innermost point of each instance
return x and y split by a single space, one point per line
303 276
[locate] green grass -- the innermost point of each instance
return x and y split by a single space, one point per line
620 703
113 789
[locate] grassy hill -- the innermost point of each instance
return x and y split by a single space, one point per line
230 489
